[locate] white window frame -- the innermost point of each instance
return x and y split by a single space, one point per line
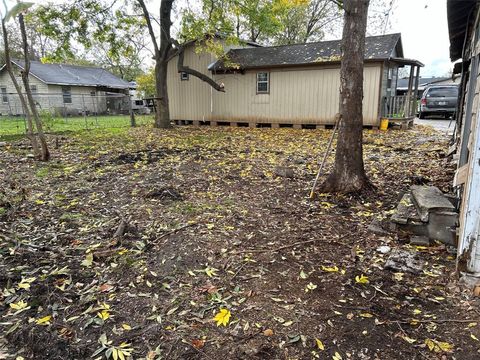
67 94
258 82
4 94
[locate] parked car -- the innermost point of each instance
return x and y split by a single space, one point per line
439 100
140 107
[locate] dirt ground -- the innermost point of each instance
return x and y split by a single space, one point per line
131 242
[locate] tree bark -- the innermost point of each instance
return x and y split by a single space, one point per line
163 54
8 64
348 174
44 154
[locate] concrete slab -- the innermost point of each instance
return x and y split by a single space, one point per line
404 261
429 199
406 211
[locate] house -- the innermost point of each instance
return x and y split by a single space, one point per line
66 89
291 85
402 84
464 33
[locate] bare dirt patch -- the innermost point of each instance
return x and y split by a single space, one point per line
208 226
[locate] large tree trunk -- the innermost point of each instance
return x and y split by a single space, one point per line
44 154
348 174
162 117
8 64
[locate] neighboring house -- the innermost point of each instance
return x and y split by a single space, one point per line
291 85
402 84
464 31
65 89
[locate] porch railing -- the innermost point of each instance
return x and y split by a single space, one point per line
399 107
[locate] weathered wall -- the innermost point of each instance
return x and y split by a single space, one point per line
467 176
49 97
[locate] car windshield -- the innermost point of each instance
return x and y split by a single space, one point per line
443 92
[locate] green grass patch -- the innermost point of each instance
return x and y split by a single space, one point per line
13 128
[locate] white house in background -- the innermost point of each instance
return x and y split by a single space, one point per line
66 89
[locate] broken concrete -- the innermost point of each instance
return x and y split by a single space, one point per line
404 261
405 211
428 199
420 241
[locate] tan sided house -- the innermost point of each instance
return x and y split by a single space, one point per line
291 85
65 89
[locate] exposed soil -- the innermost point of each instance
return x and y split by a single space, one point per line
206 224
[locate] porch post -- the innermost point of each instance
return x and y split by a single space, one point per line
409 93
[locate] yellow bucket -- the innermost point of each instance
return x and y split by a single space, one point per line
384 124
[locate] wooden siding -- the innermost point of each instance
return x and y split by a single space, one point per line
297 96
189 99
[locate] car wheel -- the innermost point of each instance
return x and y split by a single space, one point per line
421 115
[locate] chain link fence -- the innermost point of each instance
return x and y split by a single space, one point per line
69 111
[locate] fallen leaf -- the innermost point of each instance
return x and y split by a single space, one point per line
222 317
319 344
362 279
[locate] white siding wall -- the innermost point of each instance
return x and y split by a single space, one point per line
297 95
302 96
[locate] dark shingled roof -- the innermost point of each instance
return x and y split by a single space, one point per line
376 47
61 74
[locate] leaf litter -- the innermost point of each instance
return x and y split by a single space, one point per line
137 244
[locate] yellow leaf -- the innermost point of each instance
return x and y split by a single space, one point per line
330 268
19 305
319 344
104 315
362 279
210 271
222 317
25 283
126 327
438 346
398 276
366 315
337 356
115 353
121 356
417 311
474 337
44 321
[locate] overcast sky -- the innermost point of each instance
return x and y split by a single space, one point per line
422 23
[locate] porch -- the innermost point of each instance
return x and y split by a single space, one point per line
401 109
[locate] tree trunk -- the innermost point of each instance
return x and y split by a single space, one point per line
348 174
162 117
44 154
8 64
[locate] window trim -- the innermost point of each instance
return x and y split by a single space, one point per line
4 95
257 82
67 93
184 76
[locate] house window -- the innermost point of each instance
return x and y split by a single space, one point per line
184 76
263 85
92 93
67 94
4 95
